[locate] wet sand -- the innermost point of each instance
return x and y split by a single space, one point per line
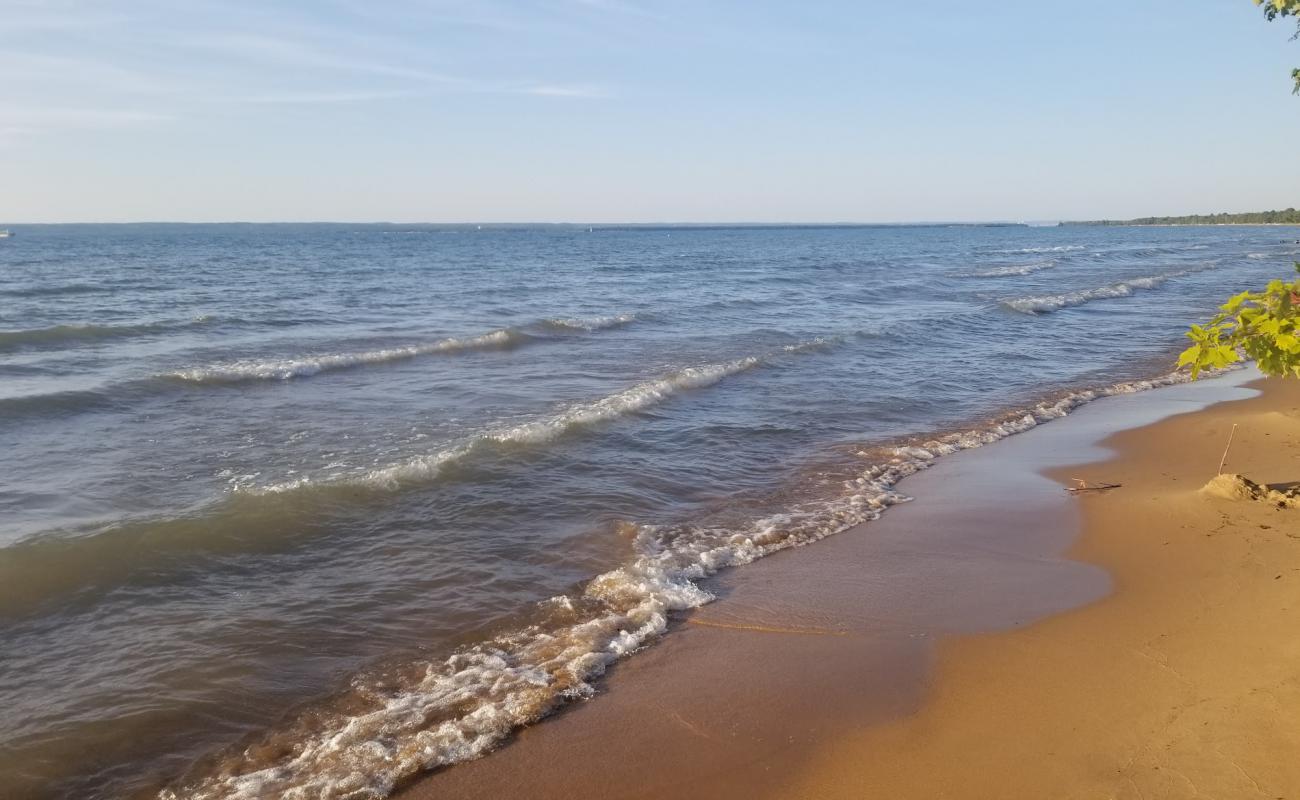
850 668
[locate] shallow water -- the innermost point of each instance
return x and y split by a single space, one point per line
323 505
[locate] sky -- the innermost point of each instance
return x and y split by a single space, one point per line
642 110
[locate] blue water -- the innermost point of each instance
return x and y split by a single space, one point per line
319 506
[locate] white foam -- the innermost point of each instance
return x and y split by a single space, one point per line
818 344
1064 248
1013 269
1041 304
284 369
592 324
464 706
629 401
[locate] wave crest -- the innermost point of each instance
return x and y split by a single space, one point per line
429 467
287 368
1047 303
1013 269
589 324
284 369
1064 248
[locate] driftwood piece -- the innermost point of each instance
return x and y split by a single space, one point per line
1085 487
1224 460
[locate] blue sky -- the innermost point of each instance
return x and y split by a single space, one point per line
638 110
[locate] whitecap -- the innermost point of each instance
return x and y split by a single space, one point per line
590 324
430 466
1064 248
1042 304
1013 269
285 368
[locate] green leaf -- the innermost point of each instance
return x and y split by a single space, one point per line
1235 302
1265 326
1189 356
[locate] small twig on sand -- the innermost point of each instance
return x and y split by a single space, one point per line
1084 487
1224 460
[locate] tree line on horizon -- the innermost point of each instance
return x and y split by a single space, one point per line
1287 216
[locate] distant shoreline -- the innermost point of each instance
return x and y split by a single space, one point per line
1285 216
1181 224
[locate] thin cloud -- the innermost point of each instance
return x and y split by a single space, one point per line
34 18
323 98
550 90
30 118
135 66
81 72
19 125
261 48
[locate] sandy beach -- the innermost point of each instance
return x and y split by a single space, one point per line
1184 682
996 638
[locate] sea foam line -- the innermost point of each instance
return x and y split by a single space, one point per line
462 707
628 401
284 369
1043 304
287 368
590 324
1013 269
1064 248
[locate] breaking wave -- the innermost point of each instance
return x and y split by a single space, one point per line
287 368
387 728
819 344
284 369
1064 248
36 570
1013 269
428 467
1043 304
590 324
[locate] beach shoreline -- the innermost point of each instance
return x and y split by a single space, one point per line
1180 683
818 671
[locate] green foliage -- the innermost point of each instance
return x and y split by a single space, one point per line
1265 326
1287 217
1284 8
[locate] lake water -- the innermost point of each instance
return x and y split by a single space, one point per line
309 508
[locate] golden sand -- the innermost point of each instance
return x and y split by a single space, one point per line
1185 682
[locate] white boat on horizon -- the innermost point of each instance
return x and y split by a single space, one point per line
6 234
